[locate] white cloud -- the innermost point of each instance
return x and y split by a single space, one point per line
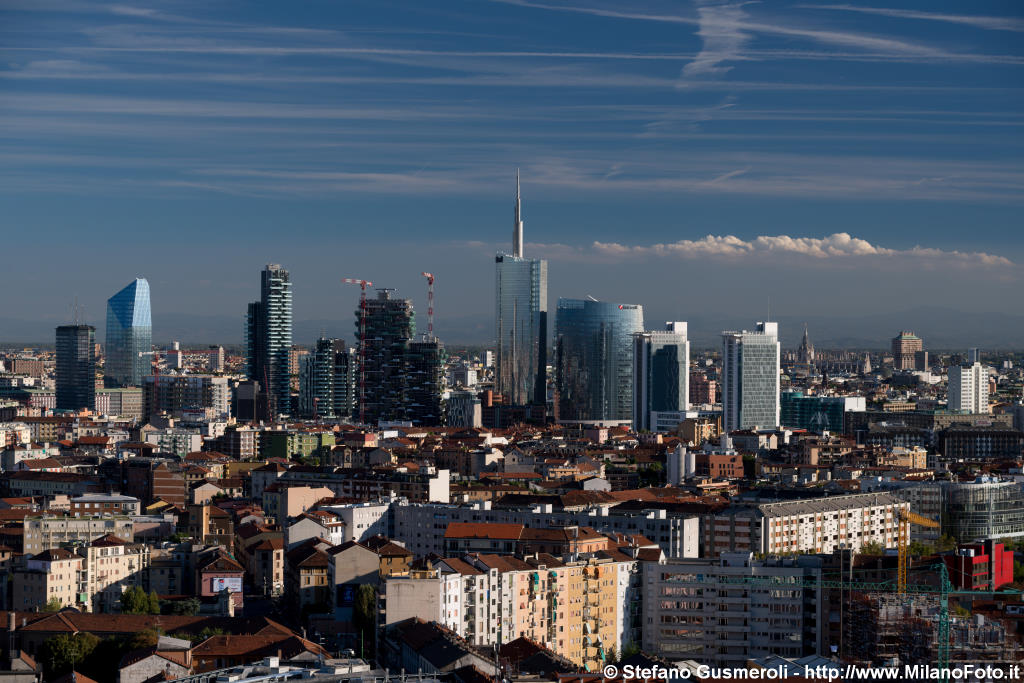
837 246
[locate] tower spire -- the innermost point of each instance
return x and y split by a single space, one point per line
517 227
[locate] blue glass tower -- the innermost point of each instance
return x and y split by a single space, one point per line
594 359
129 340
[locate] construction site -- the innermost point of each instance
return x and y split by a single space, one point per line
882 629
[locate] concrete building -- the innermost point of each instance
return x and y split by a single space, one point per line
750 378
905 347
47 531
725 611
968 389
820 525
175 394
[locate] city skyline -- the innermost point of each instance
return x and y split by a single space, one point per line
875 150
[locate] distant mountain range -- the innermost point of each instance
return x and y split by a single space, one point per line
941 329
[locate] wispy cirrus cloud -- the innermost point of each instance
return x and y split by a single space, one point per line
991 23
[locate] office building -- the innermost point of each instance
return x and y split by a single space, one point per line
129 343
76 367
661 374
968 388
521 320
269 337
594 360
424 368
906 347
984 509
819 413
750 378
390 325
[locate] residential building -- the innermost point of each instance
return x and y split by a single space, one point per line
269 337
750 378
327 380
818 525
99 504
661 374
175 394
122 402
129 343
50 531
76 367
968 389
725 611
424 370
389 325
594 360
521 321
52 574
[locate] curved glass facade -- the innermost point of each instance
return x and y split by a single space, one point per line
594 359
129 339
983 509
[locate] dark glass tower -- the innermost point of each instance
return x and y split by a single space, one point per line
390 325
425 379
594 348
129 342
76 367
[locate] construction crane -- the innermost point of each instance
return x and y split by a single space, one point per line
363 284
430 304
906 518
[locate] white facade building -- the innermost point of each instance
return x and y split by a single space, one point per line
968 388
750 378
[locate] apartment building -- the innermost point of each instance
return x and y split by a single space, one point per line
46 531
100 504
574 608
726 611
821 525
54 574
111 567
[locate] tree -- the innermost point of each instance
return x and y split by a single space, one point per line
62 653
364 617
613 656
135 600
1018 571
872 548
188 608
946 542
52 605
629 650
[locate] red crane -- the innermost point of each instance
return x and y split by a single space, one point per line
363 284
430 304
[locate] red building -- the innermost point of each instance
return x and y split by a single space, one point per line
980 566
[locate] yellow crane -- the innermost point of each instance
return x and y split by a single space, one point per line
906 518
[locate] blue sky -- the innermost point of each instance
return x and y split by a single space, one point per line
695 157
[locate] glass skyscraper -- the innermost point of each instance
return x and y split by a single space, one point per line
594 359
661 373
750 378
328 380
521 317
129 343
76 367
268 337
